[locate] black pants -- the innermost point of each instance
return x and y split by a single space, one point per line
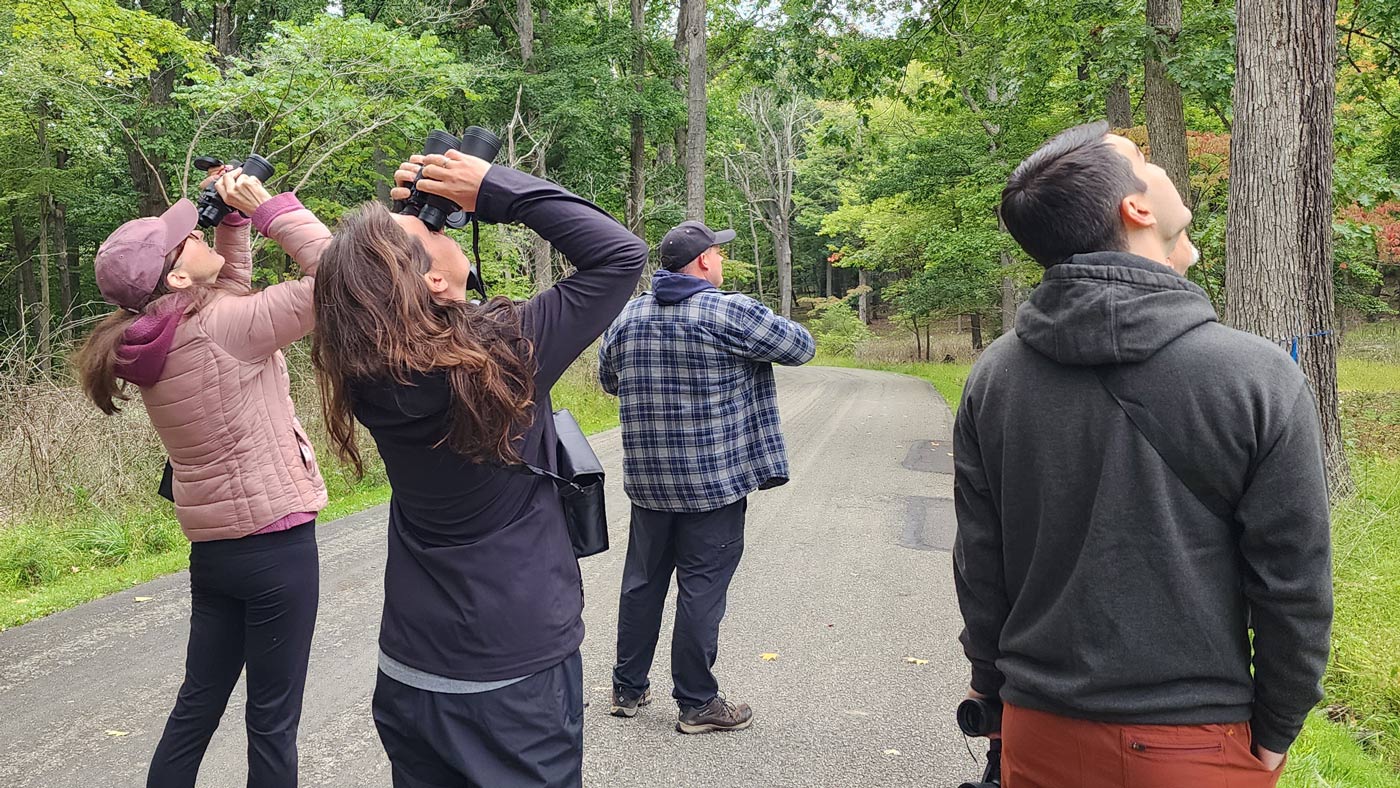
254 604
703 549
526 735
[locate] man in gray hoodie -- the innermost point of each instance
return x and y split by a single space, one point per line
1136 486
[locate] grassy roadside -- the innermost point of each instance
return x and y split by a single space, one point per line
46 567
1355 742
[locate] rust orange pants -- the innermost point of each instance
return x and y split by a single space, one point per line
1043 750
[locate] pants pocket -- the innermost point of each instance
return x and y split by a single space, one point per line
1167 759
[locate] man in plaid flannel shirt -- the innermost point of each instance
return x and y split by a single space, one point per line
693 368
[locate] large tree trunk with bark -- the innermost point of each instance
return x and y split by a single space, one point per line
695 114
1161 99
225 40
1279 230
1118 105
636 180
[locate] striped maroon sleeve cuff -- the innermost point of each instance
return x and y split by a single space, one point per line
286 202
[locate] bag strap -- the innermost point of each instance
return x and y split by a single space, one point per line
1179 464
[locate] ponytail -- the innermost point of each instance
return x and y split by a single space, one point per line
97 362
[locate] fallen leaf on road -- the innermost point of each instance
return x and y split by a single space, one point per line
771 656
915 661
116 733
892 752
143 599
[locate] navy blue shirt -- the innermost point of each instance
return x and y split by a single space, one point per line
481 582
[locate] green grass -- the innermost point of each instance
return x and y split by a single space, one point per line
46 566
1327 756
1356 374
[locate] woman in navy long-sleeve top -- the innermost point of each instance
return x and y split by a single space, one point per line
480 677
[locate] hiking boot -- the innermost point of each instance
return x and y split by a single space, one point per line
625 702
717 715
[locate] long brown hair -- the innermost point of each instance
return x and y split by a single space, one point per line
96 362
376 320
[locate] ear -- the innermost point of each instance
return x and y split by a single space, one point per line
437 283
178 280
1136 212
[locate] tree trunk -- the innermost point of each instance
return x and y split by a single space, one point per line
695 116
757 264
24 261
45 302
830 276
66 259
636 182
782 249
1119 105
863 303
525 30
1278 277
976 319
224 40
679 81
65 281
1161 99
918 340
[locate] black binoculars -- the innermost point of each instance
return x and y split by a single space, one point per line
977 717
436 211
211 206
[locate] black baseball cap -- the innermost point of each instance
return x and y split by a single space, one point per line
687 241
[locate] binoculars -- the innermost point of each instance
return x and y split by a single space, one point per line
211 206
435 211
977 717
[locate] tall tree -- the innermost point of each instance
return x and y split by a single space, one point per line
1279 229
696 46
1161 99
1118 105
637 147
767 172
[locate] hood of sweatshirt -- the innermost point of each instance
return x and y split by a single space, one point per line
673 288
1110 308
146 344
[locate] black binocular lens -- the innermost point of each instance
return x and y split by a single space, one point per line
435 211
977 717
211 207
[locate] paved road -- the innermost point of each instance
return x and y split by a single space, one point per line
845 575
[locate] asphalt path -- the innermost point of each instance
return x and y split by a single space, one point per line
846 577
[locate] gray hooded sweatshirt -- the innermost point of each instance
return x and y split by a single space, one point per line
1093 582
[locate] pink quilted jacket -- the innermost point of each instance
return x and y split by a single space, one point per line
219 396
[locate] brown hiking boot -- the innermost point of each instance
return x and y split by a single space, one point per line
625 702
717 715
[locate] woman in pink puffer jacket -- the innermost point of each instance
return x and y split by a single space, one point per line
204 350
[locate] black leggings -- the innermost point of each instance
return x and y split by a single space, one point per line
253 602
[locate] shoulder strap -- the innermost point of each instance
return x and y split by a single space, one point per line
1175 458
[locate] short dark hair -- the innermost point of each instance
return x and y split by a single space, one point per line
1063 199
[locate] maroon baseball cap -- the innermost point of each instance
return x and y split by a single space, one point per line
130 262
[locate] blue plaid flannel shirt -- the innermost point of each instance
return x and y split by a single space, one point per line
700 426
